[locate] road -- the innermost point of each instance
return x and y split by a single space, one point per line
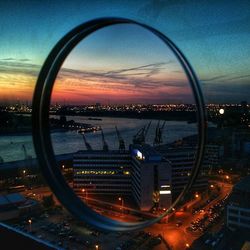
178 237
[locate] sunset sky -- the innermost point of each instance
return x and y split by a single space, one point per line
121 64
128 64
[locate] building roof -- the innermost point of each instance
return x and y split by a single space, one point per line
11 199
12 238
148 152
15 198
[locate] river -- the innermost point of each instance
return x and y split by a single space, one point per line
68 142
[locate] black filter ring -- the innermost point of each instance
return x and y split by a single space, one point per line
41 128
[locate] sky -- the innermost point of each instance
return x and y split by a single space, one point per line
128 64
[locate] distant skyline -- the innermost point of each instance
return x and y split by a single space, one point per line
214 35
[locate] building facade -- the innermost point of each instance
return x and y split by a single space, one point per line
238 208
151 178
101 172
140 172
182 160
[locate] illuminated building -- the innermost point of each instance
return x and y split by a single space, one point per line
141 172
151 178
212 157
182 162
102 172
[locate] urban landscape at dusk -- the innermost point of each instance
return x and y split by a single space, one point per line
123 126
199 222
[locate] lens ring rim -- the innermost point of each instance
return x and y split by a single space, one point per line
41 129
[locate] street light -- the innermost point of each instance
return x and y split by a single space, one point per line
86 194
97 247
122 201
24 173
197 196
30 223
187 245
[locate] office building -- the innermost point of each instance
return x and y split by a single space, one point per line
140 172
238 208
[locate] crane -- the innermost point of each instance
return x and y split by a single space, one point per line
104 143
156 139
146 131
121 141
140 137
87 145
158 133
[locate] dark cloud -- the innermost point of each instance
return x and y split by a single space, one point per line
212 79
7 59
223 92
225 78
143 77
24 60
18 66
15 59
155 67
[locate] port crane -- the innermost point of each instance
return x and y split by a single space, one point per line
121 141
104 143
87 145
158 133
140 137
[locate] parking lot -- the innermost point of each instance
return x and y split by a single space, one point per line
62 230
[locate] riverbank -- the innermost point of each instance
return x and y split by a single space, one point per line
31 163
